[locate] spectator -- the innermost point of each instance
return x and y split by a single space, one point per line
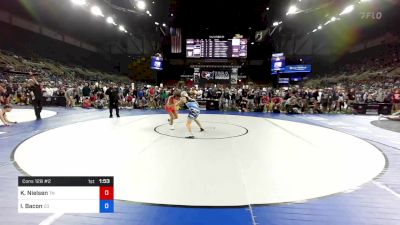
396 100
3 115
152 97
2 95
265 101
70 96
130 100
86 104
86 90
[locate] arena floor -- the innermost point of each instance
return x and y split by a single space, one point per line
246 168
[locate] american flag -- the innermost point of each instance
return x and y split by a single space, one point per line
176 40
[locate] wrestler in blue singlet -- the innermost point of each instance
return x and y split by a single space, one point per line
194 108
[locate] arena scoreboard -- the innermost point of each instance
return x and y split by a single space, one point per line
216 48
65 194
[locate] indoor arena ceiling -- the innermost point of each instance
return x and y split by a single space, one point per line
218 17
78 22
315 13
202 17
199 17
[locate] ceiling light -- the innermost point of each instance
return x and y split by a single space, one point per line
141 4
96 11
347 10
79 2
110 20
292 10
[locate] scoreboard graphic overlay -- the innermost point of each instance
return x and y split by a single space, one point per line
65 194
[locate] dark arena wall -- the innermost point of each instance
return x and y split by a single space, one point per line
29 44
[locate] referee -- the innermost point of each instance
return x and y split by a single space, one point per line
36 95
113 98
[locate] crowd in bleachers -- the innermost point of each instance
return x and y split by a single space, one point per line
263 99
374 84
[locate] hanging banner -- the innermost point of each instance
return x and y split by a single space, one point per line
215 75
196 75
234 76
176 40
212 75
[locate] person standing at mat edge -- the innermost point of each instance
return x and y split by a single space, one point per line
36 95
112 93
3 115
